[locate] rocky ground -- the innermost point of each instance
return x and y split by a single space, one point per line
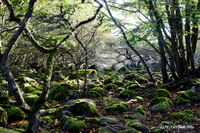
115 103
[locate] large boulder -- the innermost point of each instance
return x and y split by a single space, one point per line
83 107
59 91
160 104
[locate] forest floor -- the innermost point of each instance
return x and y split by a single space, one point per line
123 105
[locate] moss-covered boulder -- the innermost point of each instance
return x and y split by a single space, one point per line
160 104
83 107
94 120
3 116
4 130
182 101
74 125
158 100
138 126
15 113
116 106
111 86
189 94
140 109
59 92
162 93
186 115
30 98
96 92
126 94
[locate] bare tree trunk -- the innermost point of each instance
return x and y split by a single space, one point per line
34 115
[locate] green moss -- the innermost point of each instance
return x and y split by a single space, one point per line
140 109
141 80
81 73
158 130
30 98
134 86
163 123
94 120
48 119
138 126
3 116
182 101
151 85
126 94
74 125
162 93
96 92
129 131
186 115
158 116
118 83
132 76
15 113
92 85
4 130
84 107
116 106
111 87
59 92
158 100
188 96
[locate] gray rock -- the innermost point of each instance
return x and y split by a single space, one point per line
109 120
